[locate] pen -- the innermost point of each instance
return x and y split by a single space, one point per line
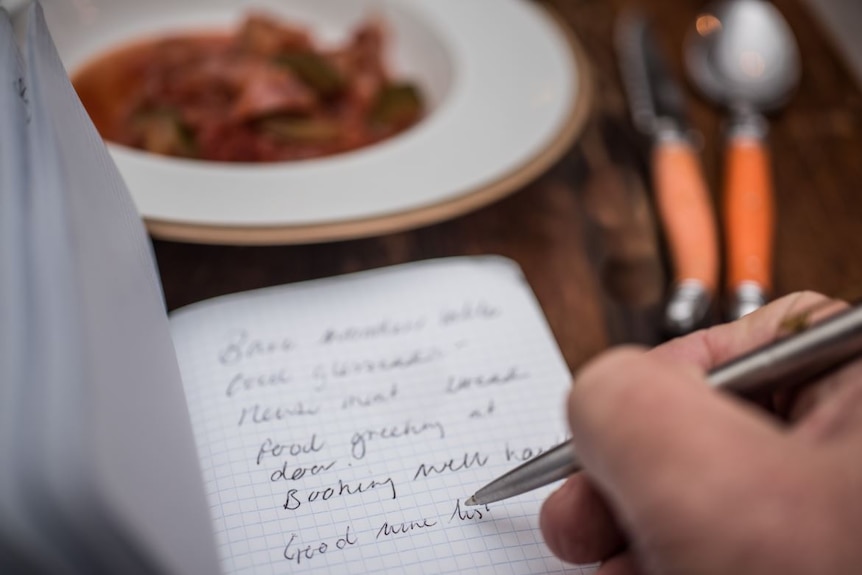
779 365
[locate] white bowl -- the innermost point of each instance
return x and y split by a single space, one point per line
505 90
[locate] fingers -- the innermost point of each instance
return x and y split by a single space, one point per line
711 347
653 436
650 433
577 525
833 408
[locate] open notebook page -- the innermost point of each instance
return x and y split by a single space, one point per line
342 422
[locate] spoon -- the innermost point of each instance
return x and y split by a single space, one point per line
742 55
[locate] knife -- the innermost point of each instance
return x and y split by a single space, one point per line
684 204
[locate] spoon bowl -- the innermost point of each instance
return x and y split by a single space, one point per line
742 54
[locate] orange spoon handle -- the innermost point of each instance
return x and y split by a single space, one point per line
749 215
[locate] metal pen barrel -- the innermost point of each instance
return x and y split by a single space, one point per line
557 463
793 360
782 364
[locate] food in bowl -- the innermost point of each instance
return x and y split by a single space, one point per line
265 92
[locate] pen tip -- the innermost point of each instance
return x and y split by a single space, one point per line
471 501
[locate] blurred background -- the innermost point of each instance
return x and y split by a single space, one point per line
842 18
586 231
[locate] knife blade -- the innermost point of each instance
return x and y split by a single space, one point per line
658 110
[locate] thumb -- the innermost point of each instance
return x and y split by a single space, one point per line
653 435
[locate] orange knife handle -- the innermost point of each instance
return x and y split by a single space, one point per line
686 211
749 214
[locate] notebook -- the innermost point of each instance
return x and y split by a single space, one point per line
335 425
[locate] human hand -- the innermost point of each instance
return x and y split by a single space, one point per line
681 479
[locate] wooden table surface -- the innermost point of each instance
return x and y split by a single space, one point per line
584 233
